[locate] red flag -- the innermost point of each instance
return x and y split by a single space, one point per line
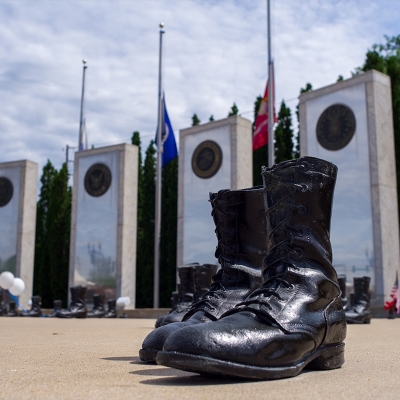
394 303
260 137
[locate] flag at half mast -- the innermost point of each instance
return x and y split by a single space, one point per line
261 129
83 141
170 150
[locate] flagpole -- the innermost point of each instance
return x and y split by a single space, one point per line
271 147
157 220
82 102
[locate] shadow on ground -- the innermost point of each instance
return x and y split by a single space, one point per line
174 377
131 359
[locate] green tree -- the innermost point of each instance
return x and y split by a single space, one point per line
260 156
211 118
296 152
234 110
195 120
59 218
169 217
41 284
284 135
145 240
386 58
52 236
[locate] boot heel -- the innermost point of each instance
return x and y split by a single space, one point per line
331 358
367 320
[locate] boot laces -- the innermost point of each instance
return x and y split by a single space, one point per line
223 250
212 293
280 250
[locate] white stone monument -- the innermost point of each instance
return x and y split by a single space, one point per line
18 196
350 124
104 221
212 156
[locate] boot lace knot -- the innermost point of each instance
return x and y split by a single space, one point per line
212 294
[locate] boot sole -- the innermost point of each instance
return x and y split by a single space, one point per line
147 355
325 358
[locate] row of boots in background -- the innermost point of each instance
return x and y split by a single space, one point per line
195 280
76 309
357 309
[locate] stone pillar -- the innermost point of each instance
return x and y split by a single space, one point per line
18 196
350 124
104 221
212 156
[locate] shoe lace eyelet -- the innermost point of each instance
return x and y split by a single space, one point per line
304 165
300 231
301 210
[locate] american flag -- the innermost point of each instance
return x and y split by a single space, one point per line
394 304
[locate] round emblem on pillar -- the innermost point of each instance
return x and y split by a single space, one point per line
336 127
6 191
207 159
97 180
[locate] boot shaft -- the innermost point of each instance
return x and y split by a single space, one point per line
36 302
298 202
111 305
111 312
186 277
202 279
78 295
57 305
174 298
98 302
361 289
240 228
242 245
300 292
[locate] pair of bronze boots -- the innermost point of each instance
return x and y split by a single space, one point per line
275 307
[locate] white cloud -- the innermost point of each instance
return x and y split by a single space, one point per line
215 54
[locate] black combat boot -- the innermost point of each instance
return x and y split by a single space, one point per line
295 319
186 277
359 312
111 312
35 310
3 308
203 279
57 306
174 302
77 307
242 245
342 284
98 310
12 310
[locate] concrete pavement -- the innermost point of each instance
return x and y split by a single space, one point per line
98 359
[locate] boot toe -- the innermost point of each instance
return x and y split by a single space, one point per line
155 340
240 338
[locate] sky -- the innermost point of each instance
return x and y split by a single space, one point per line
215 54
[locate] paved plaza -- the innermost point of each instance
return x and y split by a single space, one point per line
98 359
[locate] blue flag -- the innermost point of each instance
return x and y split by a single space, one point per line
168 138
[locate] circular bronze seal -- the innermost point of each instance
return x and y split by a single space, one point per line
97 180
6 191
207 159
336 127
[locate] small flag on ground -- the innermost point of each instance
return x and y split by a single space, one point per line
395 302
261 129
170 150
